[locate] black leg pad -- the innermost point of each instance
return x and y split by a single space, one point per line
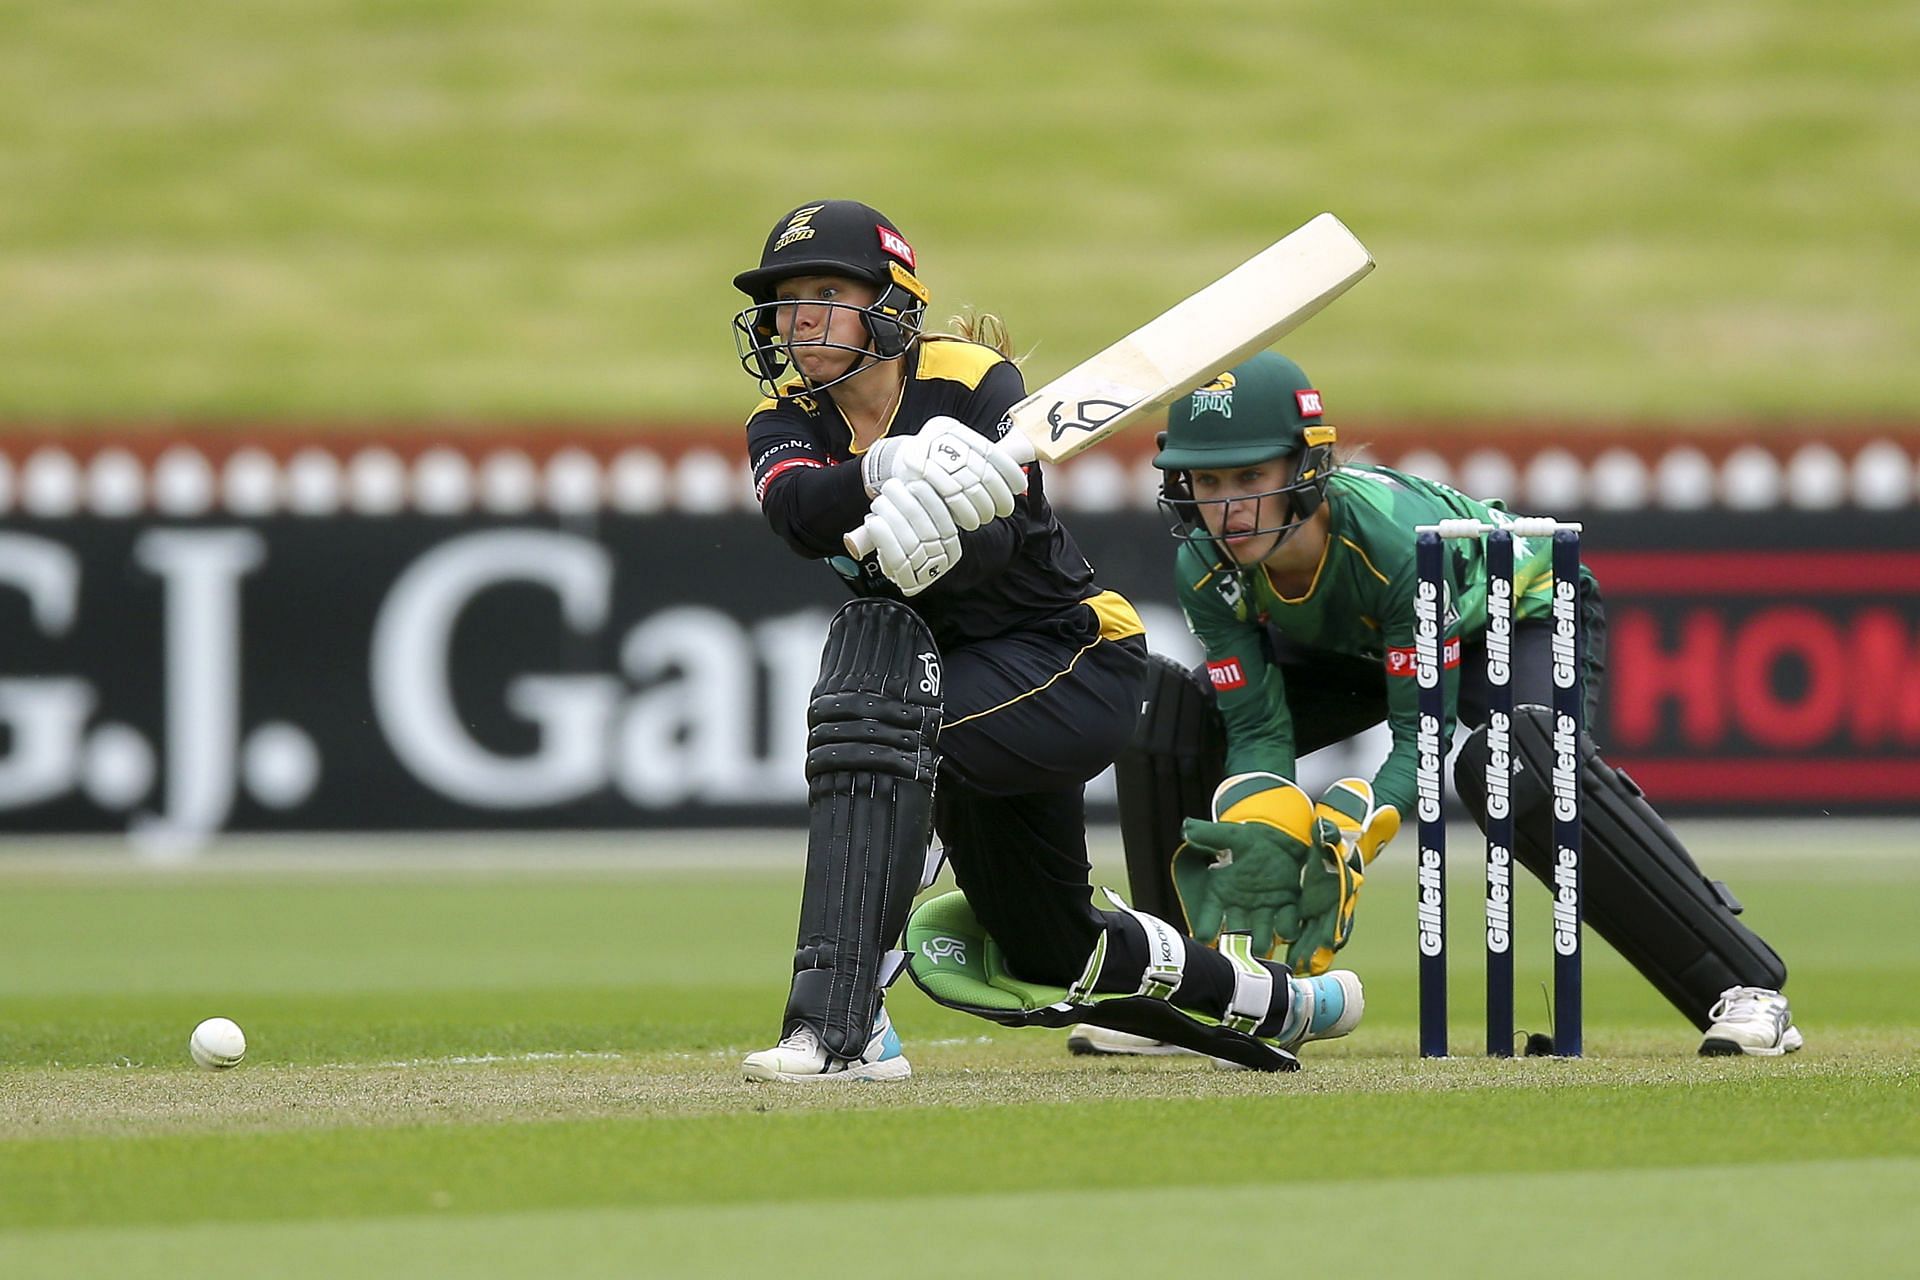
1167 773
872 728
1643 892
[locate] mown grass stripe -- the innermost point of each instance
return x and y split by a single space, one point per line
1849 1217
812 1156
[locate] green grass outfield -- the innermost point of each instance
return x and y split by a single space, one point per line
427 209
523 1062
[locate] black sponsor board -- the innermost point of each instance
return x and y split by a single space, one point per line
180 678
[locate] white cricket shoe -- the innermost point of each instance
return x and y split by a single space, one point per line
800 1059
1324 1008
1085 1038
1752 1020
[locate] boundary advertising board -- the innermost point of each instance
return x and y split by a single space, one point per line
177 678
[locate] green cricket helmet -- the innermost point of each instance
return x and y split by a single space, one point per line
1260 410
831 238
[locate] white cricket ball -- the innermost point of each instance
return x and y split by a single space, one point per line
217 1043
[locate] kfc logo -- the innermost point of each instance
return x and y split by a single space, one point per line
893 244
1309 403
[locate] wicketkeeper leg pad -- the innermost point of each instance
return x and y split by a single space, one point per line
1643 892
1165 775
952 959
872 727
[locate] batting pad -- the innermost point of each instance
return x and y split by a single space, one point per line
953 960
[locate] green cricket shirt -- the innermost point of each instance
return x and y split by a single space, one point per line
1360 604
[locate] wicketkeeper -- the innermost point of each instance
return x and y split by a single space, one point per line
974 684
1296 572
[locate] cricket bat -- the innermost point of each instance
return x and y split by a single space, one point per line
1243 312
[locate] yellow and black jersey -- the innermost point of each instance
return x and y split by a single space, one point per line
1012 572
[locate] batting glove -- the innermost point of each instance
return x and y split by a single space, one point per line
974 476
913 535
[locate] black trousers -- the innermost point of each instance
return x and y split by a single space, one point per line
1030 717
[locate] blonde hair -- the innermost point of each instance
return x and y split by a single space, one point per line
983 327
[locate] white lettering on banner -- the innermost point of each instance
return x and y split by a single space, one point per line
688 733
413 695
788 649
208 764
42 716
679 724
201 569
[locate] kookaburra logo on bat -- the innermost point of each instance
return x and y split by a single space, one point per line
1087 415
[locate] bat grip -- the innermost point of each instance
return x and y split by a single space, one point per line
1018 446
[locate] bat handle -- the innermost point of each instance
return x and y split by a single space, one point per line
1017 445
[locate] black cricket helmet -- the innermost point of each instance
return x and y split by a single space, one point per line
839 238
1262 409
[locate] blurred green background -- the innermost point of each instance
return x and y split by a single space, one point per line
456 210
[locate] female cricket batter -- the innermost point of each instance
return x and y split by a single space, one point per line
1297 575
979 649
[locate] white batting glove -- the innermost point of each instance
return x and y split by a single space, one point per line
913 534
974 476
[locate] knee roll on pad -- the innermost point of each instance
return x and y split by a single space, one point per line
957 964
1643 892
872 728
1167 773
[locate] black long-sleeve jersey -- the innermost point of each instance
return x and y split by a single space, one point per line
1012 571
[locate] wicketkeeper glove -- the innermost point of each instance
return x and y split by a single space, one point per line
975 478
1330 887
913 535
1241 871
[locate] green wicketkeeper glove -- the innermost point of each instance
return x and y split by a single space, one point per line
1241 871
1330 887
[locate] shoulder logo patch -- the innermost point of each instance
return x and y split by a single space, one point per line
1226 674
